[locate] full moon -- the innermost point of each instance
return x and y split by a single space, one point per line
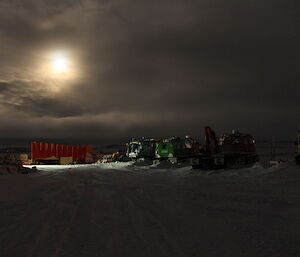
60 66
60 63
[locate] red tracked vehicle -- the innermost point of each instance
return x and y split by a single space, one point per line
235 150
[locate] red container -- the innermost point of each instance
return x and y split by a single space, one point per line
41 151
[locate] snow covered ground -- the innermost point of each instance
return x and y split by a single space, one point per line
121 209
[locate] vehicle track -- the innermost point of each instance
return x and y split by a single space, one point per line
89 213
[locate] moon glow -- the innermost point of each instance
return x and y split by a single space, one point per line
60 63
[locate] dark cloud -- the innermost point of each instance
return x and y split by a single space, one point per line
151 67
31 100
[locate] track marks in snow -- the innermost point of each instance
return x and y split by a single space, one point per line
114 213
77 223
148 224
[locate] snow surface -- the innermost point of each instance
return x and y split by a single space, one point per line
125 209
173 169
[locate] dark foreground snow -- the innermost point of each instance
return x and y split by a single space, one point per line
113 210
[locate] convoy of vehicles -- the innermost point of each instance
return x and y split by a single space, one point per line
227 151
172 149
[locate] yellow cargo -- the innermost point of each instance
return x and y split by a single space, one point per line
65 160
115 155
23 157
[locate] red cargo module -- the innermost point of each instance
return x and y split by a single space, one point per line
43 152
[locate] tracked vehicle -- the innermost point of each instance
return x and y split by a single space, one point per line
235 150
141 149
176 148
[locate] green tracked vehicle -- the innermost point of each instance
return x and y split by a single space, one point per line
176 148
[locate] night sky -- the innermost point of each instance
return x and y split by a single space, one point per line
111 70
